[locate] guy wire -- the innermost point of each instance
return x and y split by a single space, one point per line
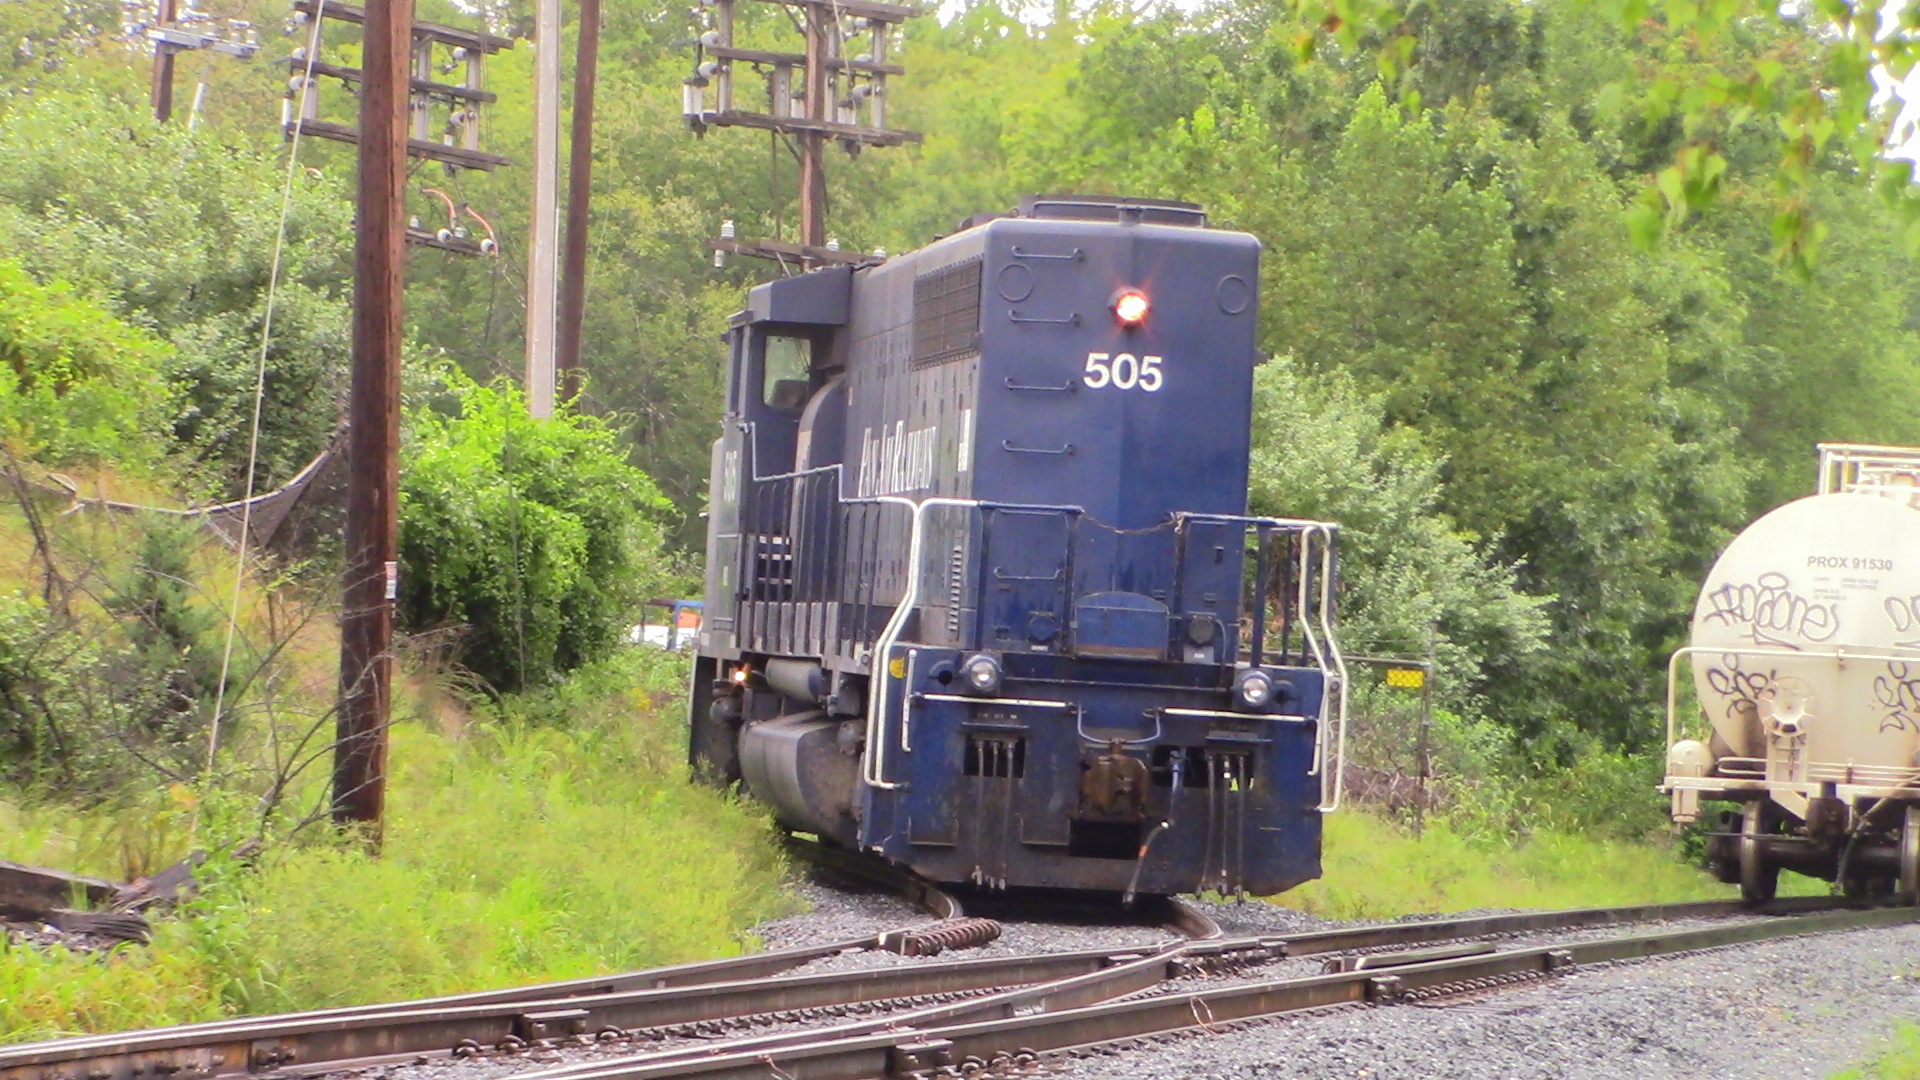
259 396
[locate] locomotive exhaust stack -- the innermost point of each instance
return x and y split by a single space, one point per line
983 597
1805 661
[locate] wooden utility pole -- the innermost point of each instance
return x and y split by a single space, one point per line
162 91
396 94
813 170
373 446
542 245
172 35
573 282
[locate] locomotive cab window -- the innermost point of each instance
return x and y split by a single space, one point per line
784 368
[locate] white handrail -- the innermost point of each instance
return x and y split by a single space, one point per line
1837 655
1324 646
890 635
1328 806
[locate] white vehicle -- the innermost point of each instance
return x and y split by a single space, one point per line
1805 688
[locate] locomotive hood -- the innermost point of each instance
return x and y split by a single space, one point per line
994 365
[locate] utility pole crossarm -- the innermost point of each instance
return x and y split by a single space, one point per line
826 93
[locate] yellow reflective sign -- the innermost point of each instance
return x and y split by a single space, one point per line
1406 678
897 667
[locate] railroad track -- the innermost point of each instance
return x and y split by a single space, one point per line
756 1016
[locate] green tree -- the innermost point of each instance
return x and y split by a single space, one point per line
77 386
1323 449
174 231
535 541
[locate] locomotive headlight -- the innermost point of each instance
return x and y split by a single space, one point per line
980 674
1130 307
1254 689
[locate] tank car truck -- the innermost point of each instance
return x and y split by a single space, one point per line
982 595
1805 662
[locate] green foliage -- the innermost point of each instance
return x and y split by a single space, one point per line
170 626
482 881
54 993
537 538
1800 76
77 386
174 232
1322 450
108 665
1900 1061
1375 869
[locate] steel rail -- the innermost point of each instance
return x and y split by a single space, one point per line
1421 931
413 1028
253 1043
1126 976
739 987
915 1052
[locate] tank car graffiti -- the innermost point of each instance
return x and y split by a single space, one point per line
1904 613
1899 691
1739 689
1772 612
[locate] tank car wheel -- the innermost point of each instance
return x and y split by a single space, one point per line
1759 879
1910 857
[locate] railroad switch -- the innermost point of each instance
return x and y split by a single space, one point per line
1407 958
1386 990
905 1059
535 1026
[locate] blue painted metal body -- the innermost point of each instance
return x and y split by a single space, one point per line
964 451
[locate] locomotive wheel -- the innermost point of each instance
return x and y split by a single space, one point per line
1759 879
1910 857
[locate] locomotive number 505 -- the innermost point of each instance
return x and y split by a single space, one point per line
1122 371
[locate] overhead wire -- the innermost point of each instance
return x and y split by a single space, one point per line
259 398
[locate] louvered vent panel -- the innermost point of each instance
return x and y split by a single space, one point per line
946 313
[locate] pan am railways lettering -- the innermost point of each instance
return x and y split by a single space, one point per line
897 460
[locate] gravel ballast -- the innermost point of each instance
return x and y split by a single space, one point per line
1784 1010
1792 1008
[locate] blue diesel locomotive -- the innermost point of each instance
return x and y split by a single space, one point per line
982 597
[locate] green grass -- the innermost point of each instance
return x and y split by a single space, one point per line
516 852
1374 869
1899 1061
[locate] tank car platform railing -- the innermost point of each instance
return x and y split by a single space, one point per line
1892 471
1739 774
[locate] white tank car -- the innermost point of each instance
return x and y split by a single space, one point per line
1805 657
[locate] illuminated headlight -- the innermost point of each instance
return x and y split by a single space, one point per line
980 674
1130 307
1254 689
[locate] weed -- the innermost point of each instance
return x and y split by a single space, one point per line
1375 869
1899 1061
551 838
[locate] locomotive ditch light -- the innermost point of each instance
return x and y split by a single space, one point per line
1253 689
980 674
1130 306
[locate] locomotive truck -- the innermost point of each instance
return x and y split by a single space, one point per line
982 594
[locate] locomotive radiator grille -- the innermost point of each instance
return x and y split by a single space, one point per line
946 313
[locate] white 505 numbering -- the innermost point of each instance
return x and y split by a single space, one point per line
1122 371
